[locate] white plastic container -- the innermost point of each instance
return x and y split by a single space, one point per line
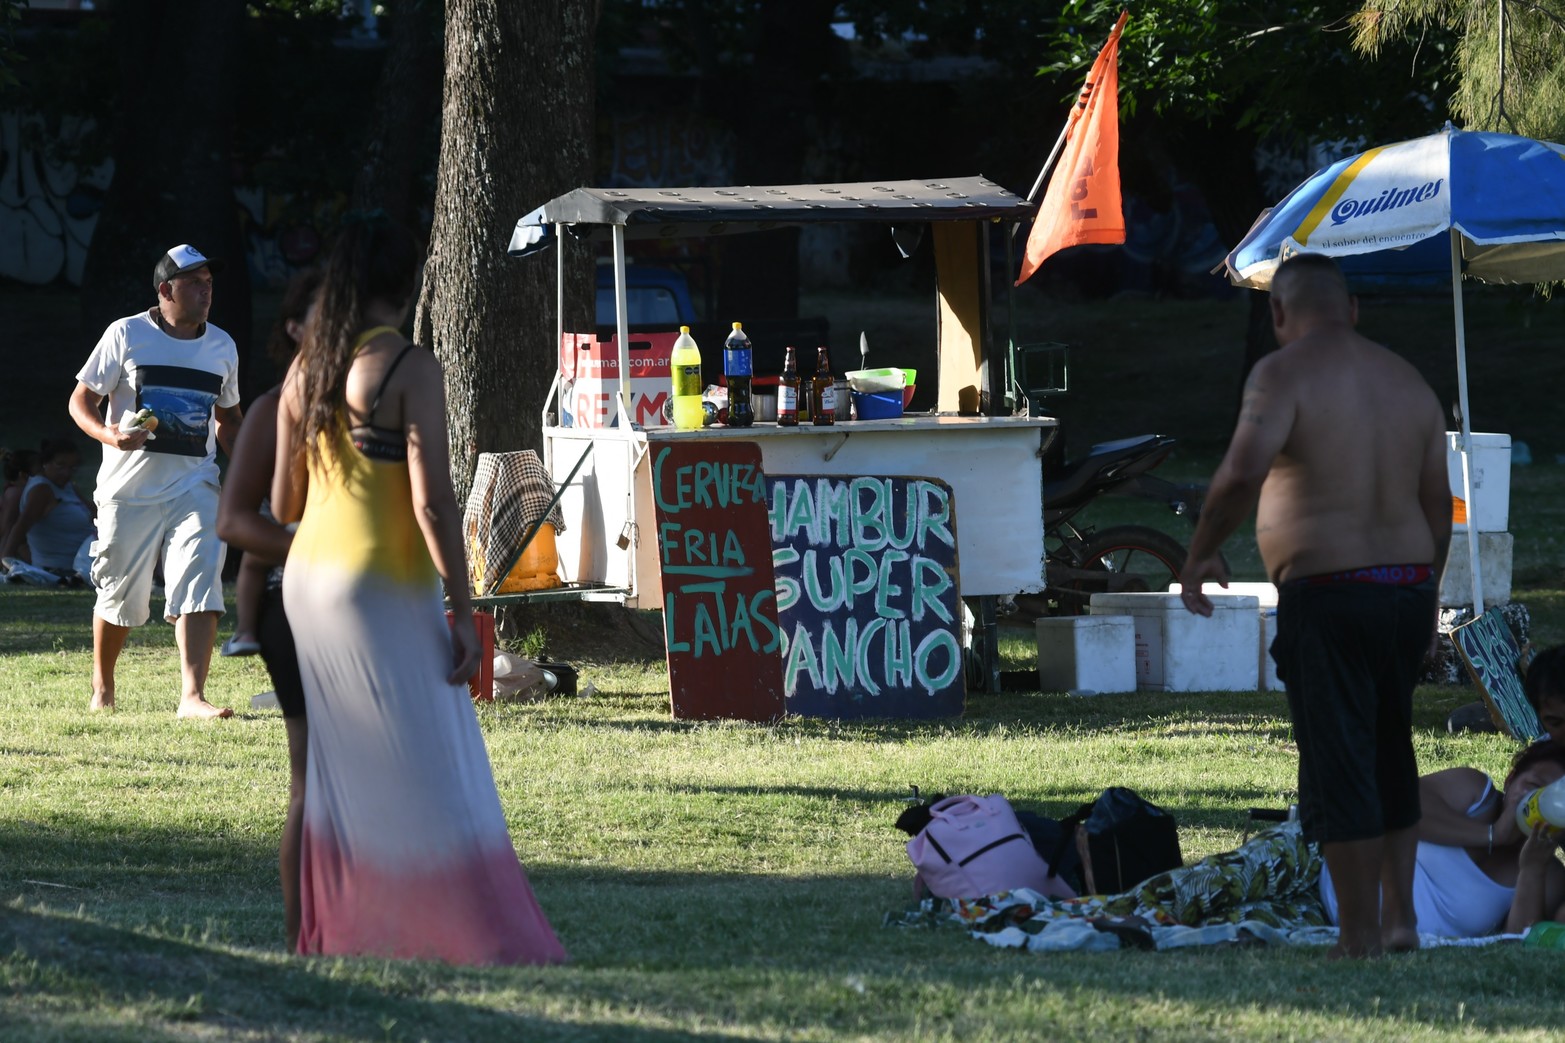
1495 551
1087 655
1266 594
1490 510
1179 651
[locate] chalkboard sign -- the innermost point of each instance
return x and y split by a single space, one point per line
1489 649
867 596
719 603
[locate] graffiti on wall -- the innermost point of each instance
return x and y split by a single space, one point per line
282 232
48 205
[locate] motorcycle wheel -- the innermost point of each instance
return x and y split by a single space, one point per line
1134 557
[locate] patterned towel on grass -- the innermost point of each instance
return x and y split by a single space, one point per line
1265 892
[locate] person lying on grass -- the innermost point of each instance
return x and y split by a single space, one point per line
1477 874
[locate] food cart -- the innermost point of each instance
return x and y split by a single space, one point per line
707 525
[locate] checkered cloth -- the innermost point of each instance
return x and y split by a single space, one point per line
511 492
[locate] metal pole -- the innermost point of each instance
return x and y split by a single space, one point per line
1465 441
621 329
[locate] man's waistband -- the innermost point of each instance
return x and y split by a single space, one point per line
1382 575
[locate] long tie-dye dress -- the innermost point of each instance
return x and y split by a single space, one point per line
405 850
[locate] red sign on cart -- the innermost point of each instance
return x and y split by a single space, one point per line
719 604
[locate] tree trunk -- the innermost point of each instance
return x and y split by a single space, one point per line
172 162
516 129
406 108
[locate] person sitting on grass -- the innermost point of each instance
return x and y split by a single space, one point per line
20 465
1476 872
54 520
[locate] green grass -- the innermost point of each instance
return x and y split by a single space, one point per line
713 881
725 881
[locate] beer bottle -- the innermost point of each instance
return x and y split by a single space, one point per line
686 364
738 367
788 391
823 397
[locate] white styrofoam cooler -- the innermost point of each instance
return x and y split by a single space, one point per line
1494 563
1179 651
1266 595
1086 655
1490 510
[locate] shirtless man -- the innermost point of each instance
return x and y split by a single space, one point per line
1342 443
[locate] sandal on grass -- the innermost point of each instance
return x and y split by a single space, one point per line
234 646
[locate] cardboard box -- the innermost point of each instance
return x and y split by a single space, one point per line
1178 651
589 373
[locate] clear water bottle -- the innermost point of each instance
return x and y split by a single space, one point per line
739 369
685 361
1543 807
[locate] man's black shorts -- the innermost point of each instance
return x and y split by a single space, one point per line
1350 654
277 651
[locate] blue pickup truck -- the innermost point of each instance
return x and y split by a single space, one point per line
653 297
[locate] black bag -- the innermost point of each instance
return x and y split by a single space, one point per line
1128 839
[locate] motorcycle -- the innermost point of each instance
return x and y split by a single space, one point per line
1082 561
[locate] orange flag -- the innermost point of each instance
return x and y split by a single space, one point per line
1082 204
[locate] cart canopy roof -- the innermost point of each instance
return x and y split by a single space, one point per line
663 213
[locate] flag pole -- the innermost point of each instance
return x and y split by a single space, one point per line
1048 164
1070 121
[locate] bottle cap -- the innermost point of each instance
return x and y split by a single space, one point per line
684 329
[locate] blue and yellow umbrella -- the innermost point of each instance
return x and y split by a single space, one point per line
1499 198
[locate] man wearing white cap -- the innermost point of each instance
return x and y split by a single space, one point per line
172 383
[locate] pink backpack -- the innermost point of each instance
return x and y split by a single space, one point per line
973 846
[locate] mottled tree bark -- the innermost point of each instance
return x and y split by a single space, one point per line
516 127
172 163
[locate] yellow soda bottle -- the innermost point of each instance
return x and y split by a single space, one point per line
1543 807
685 361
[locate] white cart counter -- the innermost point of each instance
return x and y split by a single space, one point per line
992 465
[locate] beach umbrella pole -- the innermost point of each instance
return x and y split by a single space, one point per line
1465 438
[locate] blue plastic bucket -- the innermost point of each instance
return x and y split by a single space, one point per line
879 405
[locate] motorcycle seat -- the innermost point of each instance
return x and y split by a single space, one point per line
1082 474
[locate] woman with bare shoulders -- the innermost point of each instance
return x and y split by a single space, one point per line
405 851
245 522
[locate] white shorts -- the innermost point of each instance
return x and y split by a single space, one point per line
132 536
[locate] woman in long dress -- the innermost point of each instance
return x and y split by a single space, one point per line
405 851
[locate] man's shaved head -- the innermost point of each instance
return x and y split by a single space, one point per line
1311 283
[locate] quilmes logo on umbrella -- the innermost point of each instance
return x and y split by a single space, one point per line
1389 199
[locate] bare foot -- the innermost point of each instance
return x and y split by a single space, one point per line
196 706
102 701
1399 939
